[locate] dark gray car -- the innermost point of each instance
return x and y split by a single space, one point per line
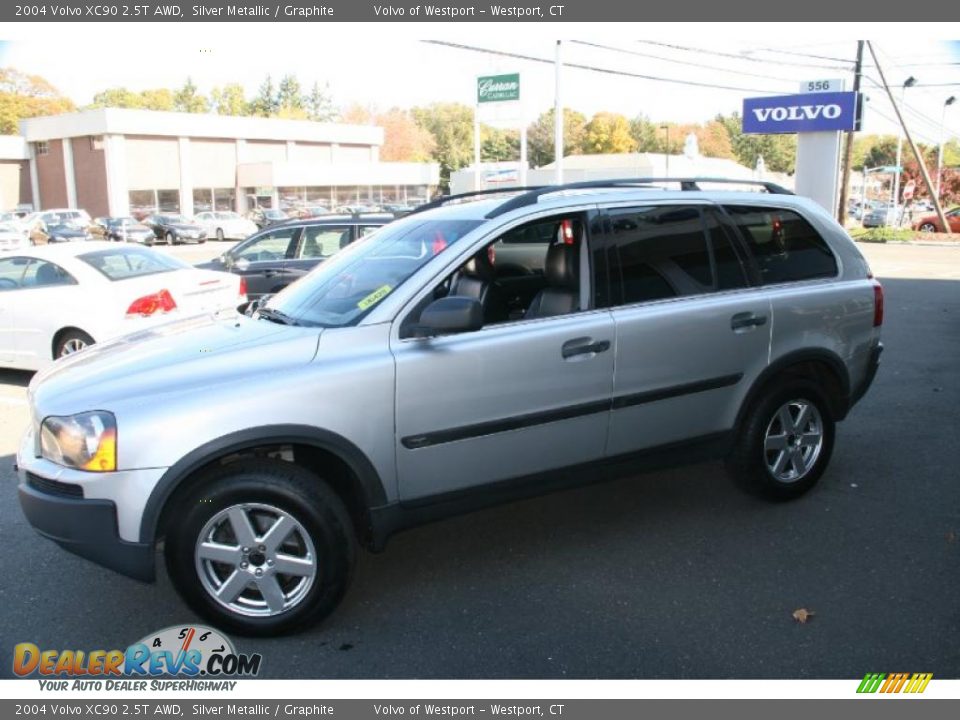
279 254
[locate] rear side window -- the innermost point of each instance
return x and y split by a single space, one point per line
786 247
124 263
659 252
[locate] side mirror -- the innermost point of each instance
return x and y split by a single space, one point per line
448 315
242 264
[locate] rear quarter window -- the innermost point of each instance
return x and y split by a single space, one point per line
125 263
785 246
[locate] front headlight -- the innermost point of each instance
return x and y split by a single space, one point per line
87 441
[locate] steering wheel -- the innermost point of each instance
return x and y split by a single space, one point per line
8 283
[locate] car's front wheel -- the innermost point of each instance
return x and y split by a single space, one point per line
261 547
220 234
171 238
928 227
785 441
70 342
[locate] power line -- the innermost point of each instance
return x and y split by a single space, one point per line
806 55
744 58
594 68
680 62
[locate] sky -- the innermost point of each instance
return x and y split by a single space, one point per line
383 65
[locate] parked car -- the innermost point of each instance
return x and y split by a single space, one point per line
79 219
222 225
12 237
276 256
58 300
263 217
125 229
59 232
174 229
880 216
931 223
407 379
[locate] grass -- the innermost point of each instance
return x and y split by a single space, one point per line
883 234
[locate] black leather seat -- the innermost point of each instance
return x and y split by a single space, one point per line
477 280
562 294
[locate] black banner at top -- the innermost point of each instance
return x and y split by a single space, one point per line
578 11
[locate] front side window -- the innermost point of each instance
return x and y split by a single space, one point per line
271 246
40 273
124 263
11 272
785 246
342 290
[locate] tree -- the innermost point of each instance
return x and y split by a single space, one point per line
188 100
608 133
497 145
288 95
403 139
157 99
118 97
646 134
265 103
951 153
874 151
24 96
714 140
451 125
540 145
779 152
229 100
319 104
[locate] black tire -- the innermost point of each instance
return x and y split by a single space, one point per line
748 462
291 489
928 227
220 234
171 238
67 343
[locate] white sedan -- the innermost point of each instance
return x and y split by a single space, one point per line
12 237
222 225
56 300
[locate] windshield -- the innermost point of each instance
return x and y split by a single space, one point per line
344 288
275 214
124 263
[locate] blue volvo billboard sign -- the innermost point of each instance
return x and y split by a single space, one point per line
808 112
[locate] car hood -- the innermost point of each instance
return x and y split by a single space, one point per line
176 358
185 227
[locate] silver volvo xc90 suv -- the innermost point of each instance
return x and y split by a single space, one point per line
459 357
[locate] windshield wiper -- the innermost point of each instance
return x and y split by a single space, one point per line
275 316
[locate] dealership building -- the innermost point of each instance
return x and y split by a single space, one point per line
119 162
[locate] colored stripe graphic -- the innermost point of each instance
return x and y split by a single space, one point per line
913 683
870 683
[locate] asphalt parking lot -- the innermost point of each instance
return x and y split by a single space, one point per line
668 575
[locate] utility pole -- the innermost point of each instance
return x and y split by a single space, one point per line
848 159
558 126
913 145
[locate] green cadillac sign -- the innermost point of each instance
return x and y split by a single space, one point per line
498 88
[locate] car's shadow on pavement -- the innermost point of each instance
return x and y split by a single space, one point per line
17 378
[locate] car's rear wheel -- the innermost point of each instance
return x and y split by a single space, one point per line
261 547
70 342
928 227
171 238
220 234
785 442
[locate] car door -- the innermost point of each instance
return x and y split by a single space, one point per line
691 331
46 301
512 399
206 221
263 259
11 274
316 244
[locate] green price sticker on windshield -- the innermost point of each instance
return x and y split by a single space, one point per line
373 298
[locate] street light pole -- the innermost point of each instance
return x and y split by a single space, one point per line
909 82
943 117
666 152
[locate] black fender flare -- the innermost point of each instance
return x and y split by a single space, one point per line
839 405
371 485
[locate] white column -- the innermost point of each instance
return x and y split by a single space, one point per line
115 162
558 125
240 153
477 178
291 149
522 175
186 180
34 178
68 173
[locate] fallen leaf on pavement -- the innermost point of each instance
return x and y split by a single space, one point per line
802 615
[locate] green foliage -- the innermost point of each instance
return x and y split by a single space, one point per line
265 103
779 152
540 136
498 145
319 105
188 100
229 100
451 125
882 234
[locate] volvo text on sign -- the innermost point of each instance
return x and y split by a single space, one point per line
809 112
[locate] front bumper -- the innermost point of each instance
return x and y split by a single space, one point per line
87 528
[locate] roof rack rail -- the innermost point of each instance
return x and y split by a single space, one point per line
686 184
441 201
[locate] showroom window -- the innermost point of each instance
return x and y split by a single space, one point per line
202 200
42 147
224 199
142 203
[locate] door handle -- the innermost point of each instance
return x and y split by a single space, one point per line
583 346
746 320
270 273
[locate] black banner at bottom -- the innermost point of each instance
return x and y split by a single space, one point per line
872 707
